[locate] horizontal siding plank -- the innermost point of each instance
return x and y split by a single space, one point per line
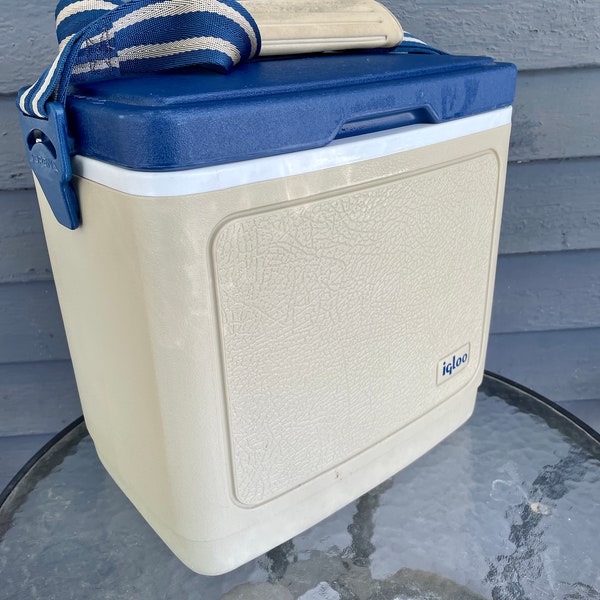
15 452
30 323
555 117
551 206
28 41
542 213
562 365
534 292
37 398
23 252
14 170
530 34
557 290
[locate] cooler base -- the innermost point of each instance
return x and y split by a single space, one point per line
277 521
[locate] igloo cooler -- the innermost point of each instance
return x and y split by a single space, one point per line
280 291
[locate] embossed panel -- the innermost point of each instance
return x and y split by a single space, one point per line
335 313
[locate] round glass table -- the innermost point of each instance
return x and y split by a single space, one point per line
508 507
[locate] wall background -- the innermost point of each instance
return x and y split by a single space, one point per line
546 322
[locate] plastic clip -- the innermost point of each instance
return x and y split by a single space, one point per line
48 152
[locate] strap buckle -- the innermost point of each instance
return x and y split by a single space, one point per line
49 152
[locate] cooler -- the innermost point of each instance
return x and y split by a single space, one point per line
280 291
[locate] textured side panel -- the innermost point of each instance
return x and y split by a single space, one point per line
37 398
563 365
335 314
528 33
551 205
557 290
23 252
31 323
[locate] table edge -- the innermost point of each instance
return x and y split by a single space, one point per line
544 399
22 472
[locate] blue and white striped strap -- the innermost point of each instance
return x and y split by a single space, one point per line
102 39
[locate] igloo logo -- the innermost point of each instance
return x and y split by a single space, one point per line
453 363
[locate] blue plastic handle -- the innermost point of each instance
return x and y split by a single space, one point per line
49 155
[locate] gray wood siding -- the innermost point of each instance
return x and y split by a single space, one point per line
23 253
30 322
541 292
40 397
563 365
556 114
546 321
541 34
551 206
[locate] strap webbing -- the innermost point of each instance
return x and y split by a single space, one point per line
103 39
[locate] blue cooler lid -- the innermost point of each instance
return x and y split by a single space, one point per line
194 117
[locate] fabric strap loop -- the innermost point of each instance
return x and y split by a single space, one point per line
103 39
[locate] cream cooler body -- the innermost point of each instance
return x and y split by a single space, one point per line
280 291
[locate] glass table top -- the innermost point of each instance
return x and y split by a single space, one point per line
506 508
